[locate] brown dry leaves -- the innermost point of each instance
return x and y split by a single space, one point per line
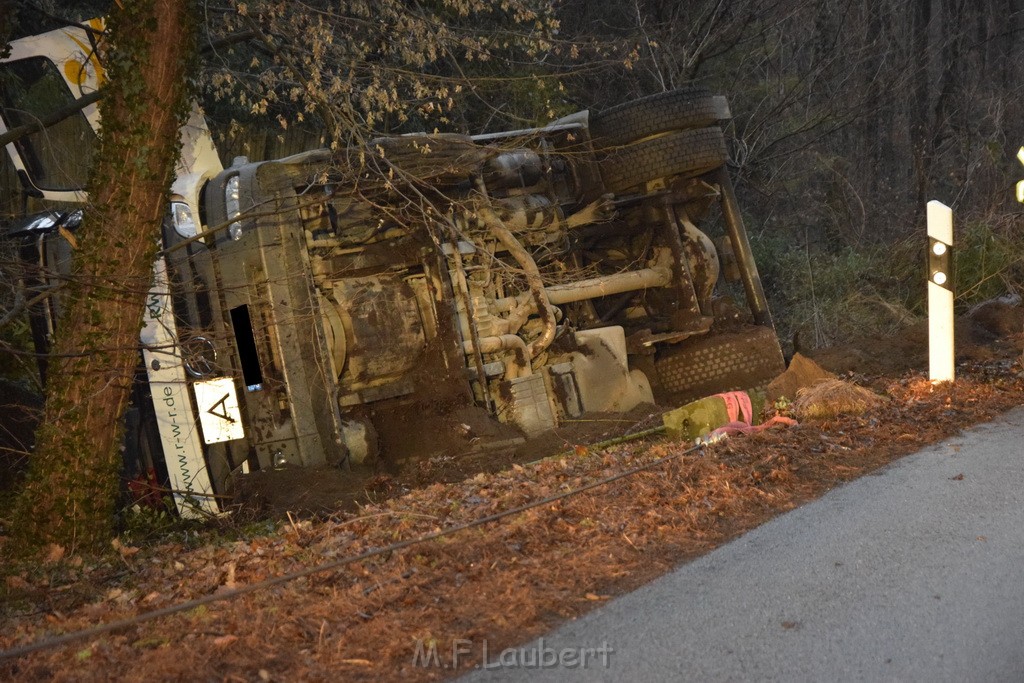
503 582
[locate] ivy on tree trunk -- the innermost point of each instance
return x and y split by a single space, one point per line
72 485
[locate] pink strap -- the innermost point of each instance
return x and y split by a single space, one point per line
744 428
737 405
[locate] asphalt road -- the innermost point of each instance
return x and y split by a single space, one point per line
915 573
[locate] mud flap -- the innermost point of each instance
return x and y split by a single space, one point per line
606 382
729 361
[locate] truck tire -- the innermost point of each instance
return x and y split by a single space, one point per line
682 109
681 153
747 359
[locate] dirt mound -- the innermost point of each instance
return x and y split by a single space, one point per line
802 373
998 318
990 331
456 447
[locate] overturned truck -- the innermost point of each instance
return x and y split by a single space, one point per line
317 310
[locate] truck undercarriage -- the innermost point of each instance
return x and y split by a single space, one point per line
524 274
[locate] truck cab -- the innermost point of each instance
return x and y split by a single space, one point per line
52 75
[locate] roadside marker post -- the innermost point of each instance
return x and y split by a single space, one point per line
940 292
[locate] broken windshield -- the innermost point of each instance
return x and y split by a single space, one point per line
56 158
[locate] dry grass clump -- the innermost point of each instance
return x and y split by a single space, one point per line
833 397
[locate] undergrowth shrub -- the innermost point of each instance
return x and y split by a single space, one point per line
17 361
989 260
823 297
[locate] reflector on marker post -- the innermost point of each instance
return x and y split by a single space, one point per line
1020 184
940 292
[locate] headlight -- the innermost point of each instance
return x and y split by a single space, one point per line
44 222
232 203
181 217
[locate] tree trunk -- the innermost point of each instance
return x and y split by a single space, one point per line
921 93
72 484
